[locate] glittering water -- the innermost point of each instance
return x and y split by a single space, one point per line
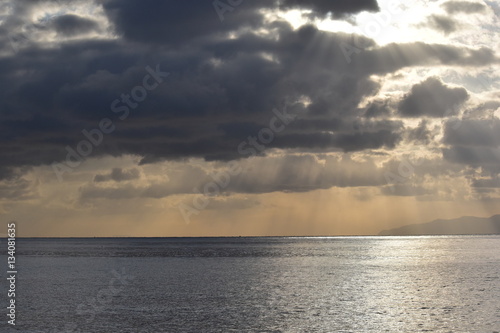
347 284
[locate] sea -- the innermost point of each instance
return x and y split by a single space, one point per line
255 284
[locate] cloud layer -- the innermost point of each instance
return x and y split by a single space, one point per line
301 107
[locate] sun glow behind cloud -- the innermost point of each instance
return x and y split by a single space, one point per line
404 22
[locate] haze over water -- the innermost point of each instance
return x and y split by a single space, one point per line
272 284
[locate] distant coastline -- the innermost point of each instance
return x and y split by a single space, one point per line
465 225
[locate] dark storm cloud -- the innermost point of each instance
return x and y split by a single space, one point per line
70 25
345 134
432 98
335 7
453 7
174 22
346 142
220 90
473 132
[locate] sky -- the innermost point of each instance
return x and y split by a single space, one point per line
231 117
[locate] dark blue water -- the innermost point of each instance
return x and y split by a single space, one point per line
342 284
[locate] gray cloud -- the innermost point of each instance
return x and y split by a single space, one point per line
484 110
475 142
378 108
486 182
473 132
17 188
442 23
293 173
71 25
281 173
390 58
486 157
468 7
432 98
421 133
118 175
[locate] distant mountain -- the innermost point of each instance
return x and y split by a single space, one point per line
466 225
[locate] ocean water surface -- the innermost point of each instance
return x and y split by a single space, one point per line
261 284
